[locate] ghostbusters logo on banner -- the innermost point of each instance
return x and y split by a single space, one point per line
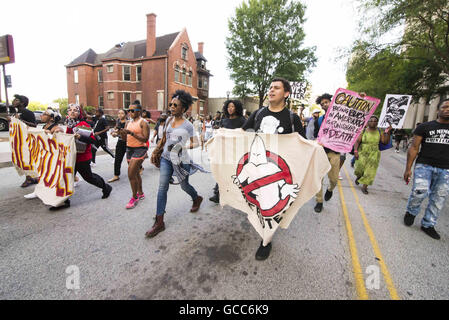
266 183
49 158
345 119
267 176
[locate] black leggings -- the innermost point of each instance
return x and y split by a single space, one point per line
85 171
120 151
103 143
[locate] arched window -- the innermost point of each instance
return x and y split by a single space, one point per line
184 76
176 74
190 78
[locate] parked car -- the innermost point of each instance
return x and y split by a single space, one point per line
38 114
4 125
111 120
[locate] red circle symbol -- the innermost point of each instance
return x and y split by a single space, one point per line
284 174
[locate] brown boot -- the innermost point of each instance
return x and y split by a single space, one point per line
158 226
196 204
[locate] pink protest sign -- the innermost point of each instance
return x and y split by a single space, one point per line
345 119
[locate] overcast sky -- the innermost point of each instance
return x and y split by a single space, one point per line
50 34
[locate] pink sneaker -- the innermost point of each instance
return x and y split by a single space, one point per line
132 203
140 196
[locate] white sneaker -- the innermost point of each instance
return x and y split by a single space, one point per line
93 164
31 195
397 151
340 177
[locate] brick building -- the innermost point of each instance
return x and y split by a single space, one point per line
149 70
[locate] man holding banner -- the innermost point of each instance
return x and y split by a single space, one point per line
260 173
346 116
334 157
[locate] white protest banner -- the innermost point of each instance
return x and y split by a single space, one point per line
394 109
267 176
50 158
298 90
345 119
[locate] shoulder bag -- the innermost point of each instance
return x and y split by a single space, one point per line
157 152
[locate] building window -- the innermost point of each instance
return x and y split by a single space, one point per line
200 82
176 74
110 95
126 73
100 101
100 75
77 99
110 68
183 76
184 50
139 73
75 76
139 97
190 78
205 83
126 99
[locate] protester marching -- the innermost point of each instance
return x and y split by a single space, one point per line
272 179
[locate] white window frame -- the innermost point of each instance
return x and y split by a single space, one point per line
137 73
187 52
123 96
109 68
98 75
110 95
75 76
77 99
123 73
99 99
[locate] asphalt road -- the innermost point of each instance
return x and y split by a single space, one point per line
210 254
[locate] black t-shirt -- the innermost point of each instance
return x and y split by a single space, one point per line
233 123
434 145
28 116
120 125
280 121
100 125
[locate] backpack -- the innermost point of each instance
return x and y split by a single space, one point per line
264 108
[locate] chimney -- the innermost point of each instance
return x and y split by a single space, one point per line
200 47
151 34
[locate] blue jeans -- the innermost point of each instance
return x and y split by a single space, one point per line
165 175
434 183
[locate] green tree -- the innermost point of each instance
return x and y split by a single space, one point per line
266 39
389 72
63 105
424 40
36 106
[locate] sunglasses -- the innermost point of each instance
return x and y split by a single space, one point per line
172 104
132 110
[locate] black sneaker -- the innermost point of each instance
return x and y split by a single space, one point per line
409 219
431 232
328 195
215 198
318 207
263 252
106 191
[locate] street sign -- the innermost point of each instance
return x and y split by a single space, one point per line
8 82
6 49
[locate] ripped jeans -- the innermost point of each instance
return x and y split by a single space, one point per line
434 183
